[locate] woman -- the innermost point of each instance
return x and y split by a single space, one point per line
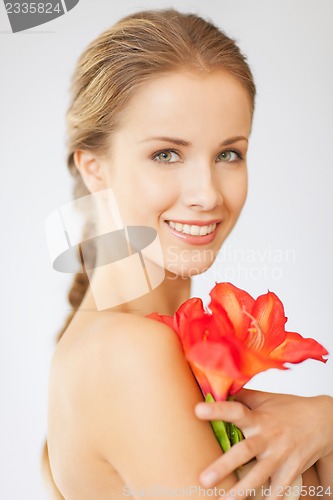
158 130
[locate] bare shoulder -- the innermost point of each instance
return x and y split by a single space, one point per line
135 394
136 356
132 331
122 360
102 334
103 356
123 338
117 352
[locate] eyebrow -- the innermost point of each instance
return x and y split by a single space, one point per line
181 142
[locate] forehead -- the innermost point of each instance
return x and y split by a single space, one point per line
183 99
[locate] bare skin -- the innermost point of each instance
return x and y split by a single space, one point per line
122 397
279 436
123 408
135 364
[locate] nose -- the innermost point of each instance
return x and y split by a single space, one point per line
202 189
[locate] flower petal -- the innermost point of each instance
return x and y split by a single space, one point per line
191 308
191 322
162 318
234 301
227 365
223 325
215 367
254 362
296 348
194 324
267 331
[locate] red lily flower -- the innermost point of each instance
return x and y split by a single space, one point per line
239 338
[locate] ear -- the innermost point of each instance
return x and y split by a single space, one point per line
90 168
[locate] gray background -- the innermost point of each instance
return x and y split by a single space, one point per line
290 207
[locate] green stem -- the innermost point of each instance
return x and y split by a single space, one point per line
227 433
219 428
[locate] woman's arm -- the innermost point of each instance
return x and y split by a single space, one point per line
287 434
143 394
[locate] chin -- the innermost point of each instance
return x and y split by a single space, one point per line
189 269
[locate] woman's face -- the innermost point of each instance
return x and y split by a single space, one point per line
177 163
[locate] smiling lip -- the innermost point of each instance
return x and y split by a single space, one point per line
197 239
196 222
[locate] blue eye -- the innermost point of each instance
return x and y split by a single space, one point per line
230 156
166 156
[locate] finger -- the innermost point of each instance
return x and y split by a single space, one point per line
229 411
238 455
251 398
291 480
255 479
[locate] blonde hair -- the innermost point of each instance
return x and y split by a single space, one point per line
108 73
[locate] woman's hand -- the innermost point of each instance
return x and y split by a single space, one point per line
287 435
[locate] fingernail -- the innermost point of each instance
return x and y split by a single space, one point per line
208 478
203 410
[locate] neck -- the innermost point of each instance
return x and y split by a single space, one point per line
111 294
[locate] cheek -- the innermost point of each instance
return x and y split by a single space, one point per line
156 192
235 191
143 197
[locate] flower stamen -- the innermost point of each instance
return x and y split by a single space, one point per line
257 338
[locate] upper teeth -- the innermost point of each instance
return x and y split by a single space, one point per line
193 230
